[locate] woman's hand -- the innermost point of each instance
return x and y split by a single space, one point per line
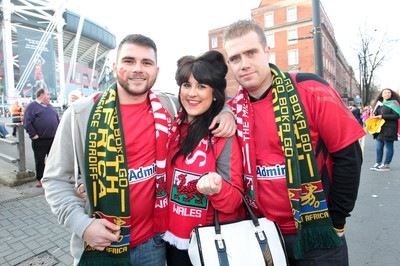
209 184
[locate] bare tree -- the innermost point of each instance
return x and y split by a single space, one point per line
371 56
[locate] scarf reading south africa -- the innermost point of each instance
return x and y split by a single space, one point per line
107 182
309 207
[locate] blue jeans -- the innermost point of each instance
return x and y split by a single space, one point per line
150 253
380 144
321 257
3 131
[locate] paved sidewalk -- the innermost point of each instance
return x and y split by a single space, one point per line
30 234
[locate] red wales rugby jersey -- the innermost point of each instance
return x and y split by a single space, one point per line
140 143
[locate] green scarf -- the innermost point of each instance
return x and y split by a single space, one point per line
106 171
106 182
305 191
311 215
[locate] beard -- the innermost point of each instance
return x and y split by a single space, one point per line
135 90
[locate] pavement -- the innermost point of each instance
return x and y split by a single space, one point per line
30 234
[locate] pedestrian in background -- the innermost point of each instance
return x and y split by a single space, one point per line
17 111
41 122
75 95
357 113
386 108
282 121
200 184
366 114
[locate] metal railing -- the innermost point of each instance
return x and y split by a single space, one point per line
20 143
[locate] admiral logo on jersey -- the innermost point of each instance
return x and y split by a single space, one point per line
271 172
142 174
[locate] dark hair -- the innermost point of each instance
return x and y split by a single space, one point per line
138 39
242 27
394 96
39 92
209 69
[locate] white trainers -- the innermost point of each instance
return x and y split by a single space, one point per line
375 167
383 168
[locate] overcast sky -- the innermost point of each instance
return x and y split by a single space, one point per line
180 27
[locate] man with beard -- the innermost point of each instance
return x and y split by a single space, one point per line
118 149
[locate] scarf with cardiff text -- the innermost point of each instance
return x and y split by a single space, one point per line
306 195
107 182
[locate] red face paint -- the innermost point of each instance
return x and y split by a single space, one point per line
122 72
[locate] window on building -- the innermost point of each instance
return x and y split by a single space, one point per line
291 14
214 42
293 57
272 58
292 36
270 40
269 19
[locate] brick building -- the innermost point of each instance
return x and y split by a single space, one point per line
289 31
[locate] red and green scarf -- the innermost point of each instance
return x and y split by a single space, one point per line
183 194
393 104
309 207
106 169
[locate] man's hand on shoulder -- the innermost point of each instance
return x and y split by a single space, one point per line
223 125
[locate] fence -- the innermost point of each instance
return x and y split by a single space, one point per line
22 175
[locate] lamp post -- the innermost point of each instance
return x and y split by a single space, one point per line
316 18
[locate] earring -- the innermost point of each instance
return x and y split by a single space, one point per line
215 99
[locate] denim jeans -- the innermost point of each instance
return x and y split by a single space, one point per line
380 145
321 257
3 131
150 253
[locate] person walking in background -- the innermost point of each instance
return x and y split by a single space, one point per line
366 114
41 122
289 175
75 95
357 113
119 139
200 184
17 111
72 97
386 108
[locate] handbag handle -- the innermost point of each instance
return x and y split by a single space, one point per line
249 212
259 231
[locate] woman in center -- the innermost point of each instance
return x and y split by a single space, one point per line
204 173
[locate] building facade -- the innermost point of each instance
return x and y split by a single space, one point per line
289 32
44 45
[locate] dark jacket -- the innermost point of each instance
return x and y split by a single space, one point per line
357 114
390 127
41 120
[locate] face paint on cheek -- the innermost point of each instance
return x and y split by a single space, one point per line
122 72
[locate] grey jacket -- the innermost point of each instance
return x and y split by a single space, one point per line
59 181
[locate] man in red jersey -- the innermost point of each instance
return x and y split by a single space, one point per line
283 120
117 142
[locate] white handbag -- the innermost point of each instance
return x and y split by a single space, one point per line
254 241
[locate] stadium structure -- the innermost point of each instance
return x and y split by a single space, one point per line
44 45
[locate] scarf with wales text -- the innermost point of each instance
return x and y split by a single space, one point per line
306 195
107 182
